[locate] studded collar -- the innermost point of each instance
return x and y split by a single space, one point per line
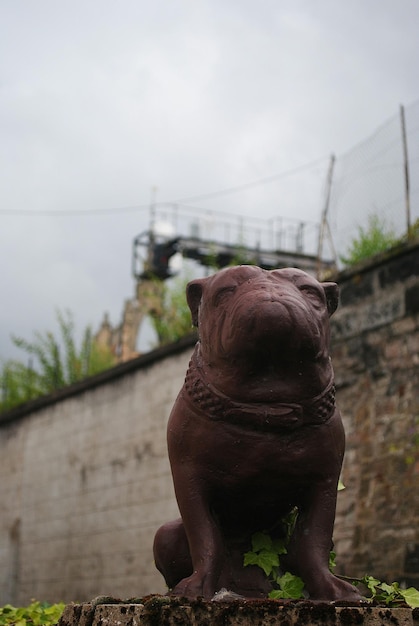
256 415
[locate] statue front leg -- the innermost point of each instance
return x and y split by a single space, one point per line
312 542
206 545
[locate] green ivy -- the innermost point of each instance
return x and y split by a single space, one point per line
392 594
266 553
36 614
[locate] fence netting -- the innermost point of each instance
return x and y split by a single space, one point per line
370 180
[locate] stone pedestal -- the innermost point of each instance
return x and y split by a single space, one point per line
165 611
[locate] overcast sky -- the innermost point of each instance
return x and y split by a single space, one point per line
100 101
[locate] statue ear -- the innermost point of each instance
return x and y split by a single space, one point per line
194 291
331 291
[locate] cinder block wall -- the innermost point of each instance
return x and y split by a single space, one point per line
86 483
376 360
86 480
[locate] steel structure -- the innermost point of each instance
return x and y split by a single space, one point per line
152 254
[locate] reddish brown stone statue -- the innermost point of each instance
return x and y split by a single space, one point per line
255 432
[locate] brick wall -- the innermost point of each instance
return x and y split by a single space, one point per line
86 480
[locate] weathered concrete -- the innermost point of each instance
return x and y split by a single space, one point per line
86 482
161 611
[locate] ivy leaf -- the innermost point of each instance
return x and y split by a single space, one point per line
265 559
33 615
391 595
278 546
291 587
411 596
261 541
390 590
371 583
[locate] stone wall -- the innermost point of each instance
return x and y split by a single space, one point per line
376 360
86 480
86 483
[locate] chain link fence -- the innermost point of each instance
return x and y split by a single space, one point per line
377 178
374 178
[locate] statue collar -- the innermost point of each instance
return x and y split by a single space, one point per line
256 415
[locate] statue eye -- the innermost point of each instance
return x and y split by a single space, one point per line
223 293
314 295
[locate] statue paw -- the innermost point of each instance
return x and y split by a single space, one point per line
195 586
335 589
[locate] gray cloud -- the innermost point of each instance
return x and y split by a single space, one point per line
100 101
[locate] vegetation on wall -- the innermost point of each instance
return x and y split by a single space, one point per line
170 315
266 554
375 238
53 362
36 614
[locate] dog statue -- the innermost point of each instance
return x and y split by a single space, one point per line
254 433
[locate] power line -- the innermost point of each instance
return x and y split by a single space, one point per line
131 209
256 183
73 212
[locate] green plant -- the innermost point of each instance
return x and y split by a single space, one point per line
375 238
170 315
58 362
36 614
392 594
413 231
19 384
266 553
